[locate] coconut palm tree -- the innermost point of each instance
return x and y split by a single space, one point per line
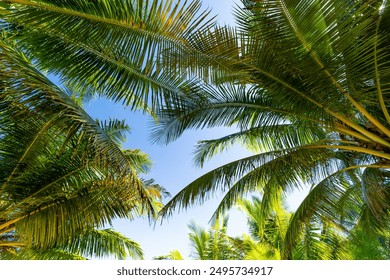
306 84
63 175
210 244
214 243
110 47
319 240
266 231
265 241
172 255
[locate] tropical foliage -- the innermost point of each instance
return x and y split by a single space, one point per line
320 240
306 84
108 47
210 244
363 246
63 175
173 255
214 243
81 178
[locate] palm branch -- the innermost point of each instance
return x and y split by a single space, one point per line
88 244
109 47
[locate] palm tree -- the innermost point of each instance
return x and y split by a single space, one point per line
319 240
210 244
114 48
306 84
172 255
266 230
214 243
63 175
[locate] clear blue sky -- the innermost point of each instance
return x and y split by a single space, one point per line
173 168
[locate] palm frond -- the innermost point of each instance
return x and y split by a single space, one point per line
110 47
117 130
87 244
104 243
62 172
199 238
172 255
47 254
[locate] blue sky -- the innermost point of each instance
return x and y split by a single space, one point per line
174 168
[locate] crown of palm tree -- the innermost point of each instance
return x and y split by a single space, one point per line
306 83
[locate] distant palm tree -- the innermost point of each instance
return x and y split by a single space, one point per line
318 241
209 244
306 83
267 230
172 255
214 243
63 175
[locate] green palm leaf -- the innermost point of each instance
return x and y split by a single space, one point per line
92 243
109 47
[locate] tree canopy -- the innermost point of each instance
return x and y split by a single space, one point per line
306 83
63 175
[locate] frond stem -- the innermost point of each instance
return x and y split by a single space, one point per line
340 128
377 78
7 230
337 116
364 135
351 148
317 60
12 244
26 152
